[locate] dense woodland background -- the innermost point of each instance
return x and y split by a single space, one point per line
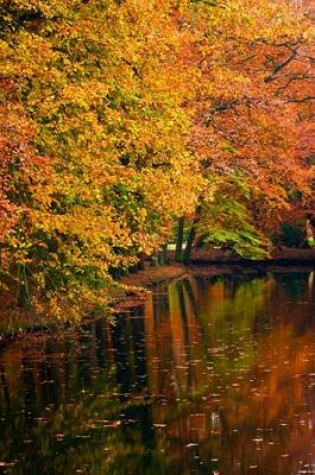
120 121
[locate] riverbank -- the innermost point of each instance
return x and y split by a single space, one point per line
279 255
214 262
135 286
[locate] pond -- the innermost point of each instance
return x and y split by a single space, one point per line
212 375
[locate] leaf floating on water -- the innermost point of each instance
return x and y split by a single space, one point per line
7 464
112 424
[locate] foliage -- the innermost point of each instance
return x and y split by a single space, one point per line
115 114
225 221
250 108
93 81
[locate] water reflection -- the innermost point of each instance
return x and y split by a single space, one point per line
210 376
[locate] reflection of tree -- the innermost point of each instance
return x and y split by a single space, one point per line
294 284
73 389
203 322
244 345
128 336
206 379
4 386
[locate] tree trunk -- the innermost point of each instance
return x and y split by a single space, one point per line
191 237
141 263
155 261
23 291
179 239
162 256
164 251
190 240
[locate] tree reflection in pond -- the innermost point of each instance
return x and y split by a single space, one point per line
209 375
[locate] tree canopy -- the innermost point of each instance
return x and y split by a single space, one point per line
118 117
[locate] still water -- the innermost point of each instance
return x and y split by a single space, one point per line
210 376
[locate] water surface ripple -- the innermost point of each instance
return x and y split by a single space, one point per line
210 376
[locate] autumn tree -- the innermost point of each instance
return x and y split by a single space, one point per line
252 62
18 166
104 85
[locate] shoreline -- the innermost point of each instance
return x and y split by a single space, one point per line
204 263
213 262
